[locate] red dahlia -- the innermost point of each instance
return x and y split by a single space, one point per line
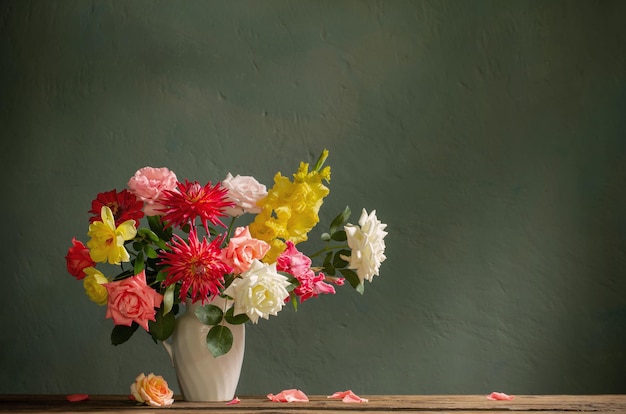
197 264
191 200
124 205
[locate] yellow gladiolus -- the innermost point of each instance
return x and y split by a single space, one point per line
290 209
107 241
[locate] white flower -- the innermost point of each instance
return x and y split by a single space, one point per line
368 245
260 292
244 191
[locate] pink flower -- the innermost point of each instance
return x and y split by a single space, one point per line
244 192
132 300
291 395
149 184
347 397
299 266
78 259
292 261
495 396
242 249
234 401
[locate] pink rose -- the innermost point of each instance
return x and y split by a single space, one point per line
242 249
132 300
149 184
78 259
244 191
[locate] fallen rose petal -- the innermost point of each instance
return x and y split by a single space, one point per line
77 397
500 396
291 395
347 397
234 401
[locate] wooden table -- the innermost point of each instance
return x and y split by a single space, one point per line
422 404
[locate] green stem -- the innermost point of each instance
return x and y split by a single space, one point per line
230 228
327 248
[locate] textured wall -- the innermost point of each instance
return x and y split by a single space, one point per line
489 135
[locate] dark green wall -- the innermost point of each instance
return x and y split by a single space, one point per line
489 135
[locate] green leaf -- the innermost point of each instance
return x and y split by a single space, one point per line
162 245
148 234
138 267
158 227
233 319
329 269
122 333
168 299
294 282
219 340
209 314
161 276
137 246
163 326
339 236
338 262
353 279
150 252
294 300
339 221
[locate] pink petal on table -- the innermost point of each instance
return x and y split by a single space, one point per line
291 395
347 397
234 401
500 396
77 397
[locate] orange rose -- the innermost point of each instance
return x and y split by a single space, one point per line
152 390
242 249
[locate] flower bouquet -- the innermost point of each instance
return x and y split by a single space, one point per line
187 252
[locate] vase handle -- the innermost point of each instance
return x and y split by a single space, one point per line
168 348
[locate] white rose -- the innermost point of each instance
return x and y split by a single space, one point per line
259 292
368 245
244 191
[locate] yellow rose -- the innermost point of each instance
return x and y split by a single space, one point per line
93 286
152 390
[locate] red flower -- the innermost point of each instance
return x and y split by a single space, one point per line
197 265
191 200
78 259
124 205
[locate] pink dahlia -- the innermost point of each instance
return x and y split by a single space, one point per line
191 200
197 264
124 206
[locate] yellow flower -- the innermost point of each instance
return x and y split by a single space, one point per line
277 246
93 286
290 209
107 241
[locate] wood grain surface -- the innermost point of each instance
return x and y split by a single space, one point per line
423 404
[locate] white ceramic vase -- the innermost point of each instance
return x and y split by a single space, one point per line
201 376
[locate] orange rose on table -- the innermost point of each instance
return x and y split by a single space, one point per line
151 390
